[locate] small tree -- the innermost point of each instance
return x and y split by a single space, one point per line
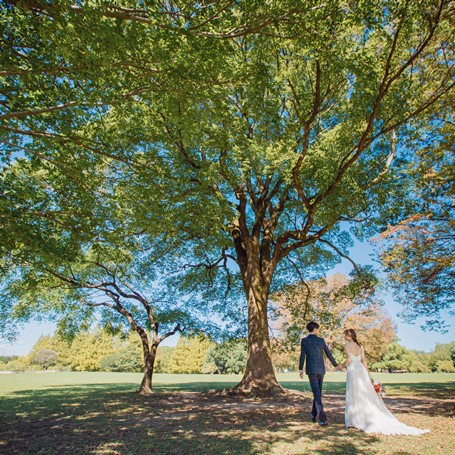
163 357
44 358
56 343
189 354
89 347
445 366
56 266
18 365
443 352
84 284
126 360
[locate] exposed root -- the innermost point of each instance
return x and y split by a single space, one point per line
145 391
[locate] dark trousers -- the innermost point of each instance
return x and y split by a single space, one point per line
316 380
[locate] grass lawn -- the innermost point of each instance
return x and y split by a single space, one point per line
100 413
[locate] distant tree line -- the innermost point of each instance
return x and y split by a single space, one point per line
99 350
398 358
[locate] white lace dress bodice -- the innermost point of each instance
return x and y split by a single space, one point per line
365 409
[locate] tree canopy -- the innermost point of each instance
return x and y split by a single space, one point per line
419 252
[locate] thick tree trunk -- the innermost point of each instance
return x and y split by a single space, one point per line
259 378
149 363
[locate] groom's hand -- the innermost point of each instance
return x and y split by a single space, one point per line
301 374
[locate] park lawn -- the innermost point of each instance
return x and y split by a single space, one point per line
100 413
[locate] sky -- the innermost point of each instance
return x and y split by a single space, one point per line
411 335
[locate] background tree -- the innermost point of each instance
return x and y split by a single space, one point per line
126 360
163 357
228 357
89 348
285 357
262 135
419 252
17 365
45 358
445 366
442 353
57 343
128 357
189 354
396 358
59 269
335 302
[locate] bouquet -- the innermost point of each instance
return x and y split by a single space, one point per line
379 388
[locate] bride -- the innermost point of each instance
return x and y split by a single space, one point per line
365 410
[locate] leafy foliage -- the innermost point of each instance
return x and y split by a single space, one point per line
228 357
336 304
189 355
44 358
418 253
127 360
399 358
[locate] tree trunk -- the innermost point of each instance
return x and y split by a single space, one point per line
259 378
149 363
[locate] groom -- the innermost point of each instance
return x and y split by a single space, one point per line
312 349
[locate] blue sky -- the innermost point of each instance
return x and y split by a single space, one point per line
411 335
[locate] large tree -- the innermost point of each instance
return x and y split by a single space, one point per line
266 128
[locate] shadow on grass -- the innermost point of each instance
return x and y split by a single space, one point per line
113 419
404 398
304 386
439 390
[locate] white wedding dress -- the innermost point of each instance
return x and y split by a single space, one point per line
365 409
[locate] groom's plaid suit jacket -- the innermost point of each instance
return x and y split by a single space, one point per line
313 348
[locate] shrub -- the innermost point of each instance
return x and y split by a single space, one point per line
229 357
126 360
15 365
445 366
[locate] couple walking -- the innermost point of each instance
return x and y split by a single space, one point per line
364 408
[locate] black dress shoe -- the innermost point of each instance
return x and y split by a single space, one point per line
312 417
323 423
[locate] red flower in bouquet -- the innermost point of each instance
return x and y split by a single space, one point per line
378 387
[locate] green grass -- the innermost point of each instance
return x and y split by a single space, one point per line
100 413
333 382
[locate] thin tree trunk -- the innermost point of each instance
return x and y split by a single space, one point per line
149 363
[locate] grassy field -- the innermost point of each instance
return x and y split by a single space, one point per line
100 413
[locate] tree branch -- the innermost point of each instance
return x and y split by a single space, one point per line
302 281
340 253
176 329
